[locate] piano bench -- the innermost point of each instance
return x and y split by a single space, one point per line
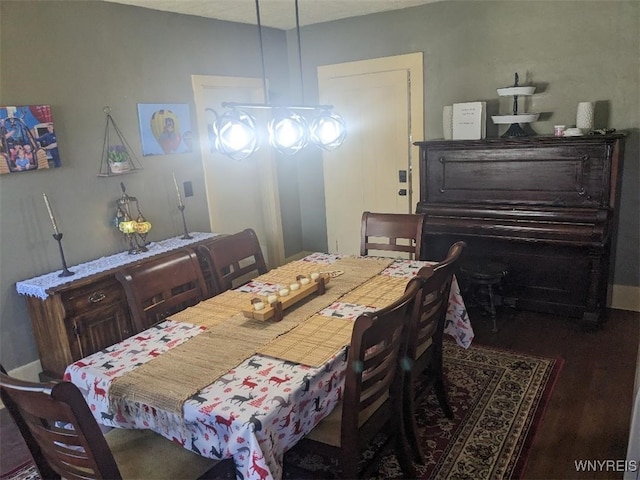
483 278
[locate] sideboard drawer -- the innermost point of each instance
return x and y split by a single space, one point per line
105 291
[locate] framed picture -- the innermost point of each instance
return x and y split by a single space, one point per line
165 128
27 139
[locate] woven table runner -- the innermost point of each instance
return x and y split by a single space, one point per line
316 340
378 292
216 310
168 380
311 343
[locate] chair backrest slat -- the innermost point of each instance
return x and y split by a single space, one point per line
429 312
157 288
381 231
377 341
59 429
233 257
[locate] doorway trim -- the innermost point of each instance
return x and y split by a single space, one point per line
269 191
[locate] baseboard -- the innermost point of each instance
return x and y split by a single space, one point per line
625 297
30 371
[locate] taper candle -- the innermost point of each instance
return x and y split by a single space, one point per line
53 220
177 190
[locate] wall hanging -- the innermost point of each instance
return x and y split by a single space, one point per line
165 128
117 155
27 139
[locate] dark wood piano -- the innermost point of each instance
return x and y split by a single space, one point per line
544 206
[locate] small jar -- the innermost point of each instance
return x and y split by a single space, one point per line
558 130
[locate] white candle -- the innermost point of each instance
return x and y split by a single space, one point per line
272 299
294 286
177 190
53 220
258 305
315 275
304 281
283 292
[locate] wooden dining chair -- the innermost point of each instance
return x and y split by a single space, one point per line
204 259
381 231
65 440
424 344
161 287
233 258
371 399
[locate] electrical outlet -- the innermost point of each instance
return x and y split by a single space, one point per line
188 189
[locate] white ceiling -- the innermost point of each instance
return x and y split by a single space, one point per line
276 13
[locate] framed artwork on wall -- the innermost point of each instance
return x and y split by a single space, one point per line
165 128
27 139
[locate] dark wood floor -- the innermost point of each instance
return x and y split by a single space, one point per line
588 417
13 451
589 413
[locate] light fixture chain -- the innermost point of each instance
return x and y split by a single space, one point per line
264 74
299 53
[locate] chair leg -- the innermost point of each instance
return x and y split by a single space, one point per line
441 395
438 384
348 465
404 457
409 424
403 450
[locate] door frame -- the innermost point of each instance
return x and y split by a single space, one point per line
269 190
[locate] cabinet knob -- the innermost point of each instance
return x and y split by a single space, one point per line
96 297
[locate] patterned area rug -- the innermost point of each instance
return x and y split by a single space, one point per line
28 471
498 398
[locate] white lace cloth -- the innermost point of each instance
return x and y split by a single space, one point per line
38 286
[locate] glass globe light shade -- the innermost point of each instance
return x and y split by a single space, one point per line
235 134
288 131
328 130
128 226
143 227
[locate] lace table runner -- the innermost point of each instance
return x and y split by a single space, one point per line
38 286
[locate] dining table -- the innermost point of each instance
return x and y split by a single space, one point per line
222 382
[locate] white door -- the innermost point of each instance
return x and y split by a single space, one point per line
381 101
240 193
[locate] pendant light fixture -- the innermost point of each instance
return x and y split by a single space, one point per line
234 133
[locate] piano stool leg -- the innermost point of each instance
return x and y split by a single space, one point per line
492 307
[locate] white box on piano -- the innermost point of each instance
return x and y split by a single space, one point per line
469 120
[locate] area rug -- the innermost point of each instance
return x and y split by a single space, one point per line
498 398
28 471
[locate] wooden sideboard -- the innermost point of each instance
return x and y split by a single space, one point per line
544 206
82 317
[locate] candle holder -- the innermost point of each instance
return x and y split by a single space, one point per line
65 271
186 235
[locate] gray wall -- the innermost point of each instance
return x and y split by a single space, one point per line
572 51
81 56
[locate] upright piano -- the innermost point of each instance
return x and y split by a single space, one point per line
544 206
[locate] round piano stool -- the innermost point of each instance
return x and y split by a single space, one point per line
484 279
